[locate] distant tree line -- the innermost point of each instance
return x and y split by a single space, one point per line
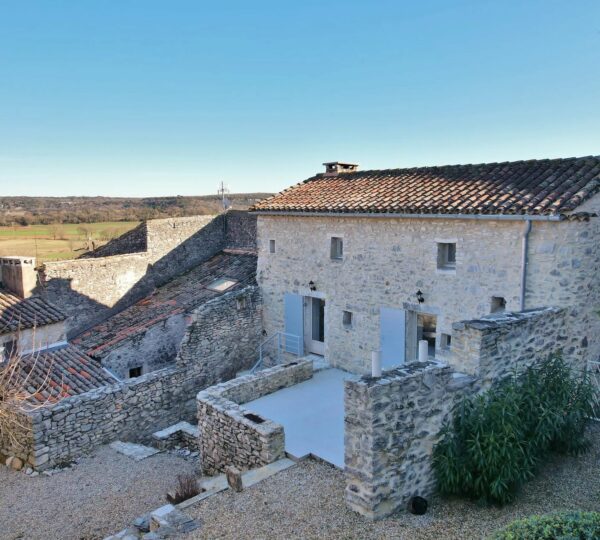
56 210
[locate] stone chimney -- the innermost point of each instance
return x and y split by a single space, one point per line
18 275
333 168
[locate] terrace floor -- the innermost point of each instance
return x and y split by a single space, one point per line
312 415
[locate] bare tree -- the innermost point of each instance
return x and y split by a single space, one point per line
25 386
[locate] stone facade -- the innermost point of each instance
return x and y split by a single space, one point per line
231 435
132 410
392 423
91 289
386 260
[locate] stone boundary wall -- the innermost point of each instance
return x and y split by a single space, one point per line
92 289
133 241
231 434
132 410
493 347
392 423
180 434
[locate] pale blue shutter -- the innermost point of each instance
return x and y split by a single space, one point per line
393 337
294 323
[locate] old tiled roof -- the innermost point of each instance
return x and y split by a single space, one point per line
19 313
536 187
180 295
54 374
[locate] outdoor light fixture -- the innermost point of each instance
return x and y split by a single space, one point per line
420 297
312 286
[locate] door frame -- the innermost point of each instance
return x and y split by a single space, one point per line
312 346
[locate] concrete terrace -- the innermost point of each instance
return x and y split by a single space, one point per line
311 413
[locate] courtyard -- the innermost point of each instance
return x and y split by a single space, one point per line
311 413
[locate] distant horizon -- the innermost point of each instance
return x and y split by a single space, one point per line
155 100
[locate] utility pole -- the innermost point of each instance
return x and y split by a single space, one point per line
222 191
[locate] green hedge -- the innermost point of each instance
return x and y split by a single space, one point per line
564 526
497 439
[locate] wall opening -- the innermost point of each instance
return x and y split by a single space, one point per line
498 304
135 372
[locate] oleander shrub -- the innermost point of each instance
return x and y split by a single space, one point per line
563 526
496 440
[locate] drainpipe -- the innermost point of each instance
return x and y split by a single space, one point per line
524 246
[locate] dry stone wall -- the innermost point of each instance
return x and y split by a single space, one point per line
91 289
392 423
231 434
134 409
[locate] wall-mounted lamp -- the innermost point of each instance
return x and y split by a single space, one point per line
312 286
420 297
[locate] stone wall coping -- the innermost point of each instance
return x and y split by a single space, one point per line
401 373
231 294
505 319
142 255
179 426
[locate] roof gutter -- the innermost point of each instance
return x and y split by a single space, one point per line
383 215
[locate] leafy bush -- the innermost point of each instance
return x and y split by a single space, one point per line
496 439
564 526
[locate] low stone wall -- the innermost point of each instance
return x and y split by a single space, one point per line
493 347
231 434
135 408
392 423
180 434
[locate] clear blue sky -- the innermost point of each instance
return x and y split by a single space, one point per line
169 97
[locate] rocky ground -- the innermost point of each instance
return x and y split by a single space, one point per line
98 496
307 501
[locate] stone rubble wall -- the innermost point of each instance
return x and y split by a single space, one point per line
392 423
133 241
391 426
133 409
20 443
493 347
92 289
227 435
387 260
180 434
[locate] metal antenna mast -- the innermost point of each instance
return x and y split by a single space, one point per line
222 191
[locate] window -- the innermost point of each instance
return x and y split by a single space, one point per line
498 304
221 284
135 372
347 319
446 256
240 303
445 341
271 246
337 248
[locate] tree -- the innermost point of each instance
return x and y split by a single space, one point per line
23 378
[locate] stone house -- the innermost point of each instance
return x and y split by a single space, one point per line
358 261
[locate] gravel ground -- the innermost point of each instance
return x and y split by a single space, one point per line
99 496
307 501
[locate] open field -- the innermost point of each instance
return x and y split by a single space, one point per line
61 241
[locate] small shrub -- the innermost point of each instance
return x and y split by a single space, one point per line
564 526
497 439
187 487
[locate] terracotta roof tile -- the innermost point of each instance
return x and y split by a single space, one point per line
20 313
535 187
61 372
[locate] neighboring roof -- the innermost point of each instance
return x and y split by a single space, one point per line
536 187
62 372
20 313
178 296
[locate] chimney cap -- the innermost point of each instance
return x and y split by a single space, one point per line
333 168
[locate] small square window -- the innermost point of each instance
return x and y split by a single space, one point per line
337 248
446 259
445 341
498 304
240 303
271 246
221 284
347 319
135 372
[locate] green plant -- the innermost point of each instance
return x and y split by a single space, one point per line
497 439
563 526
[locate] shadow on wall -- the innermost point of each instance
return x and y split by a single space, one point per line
92 289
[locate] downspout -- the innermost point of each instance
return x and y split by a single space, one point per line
524 246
